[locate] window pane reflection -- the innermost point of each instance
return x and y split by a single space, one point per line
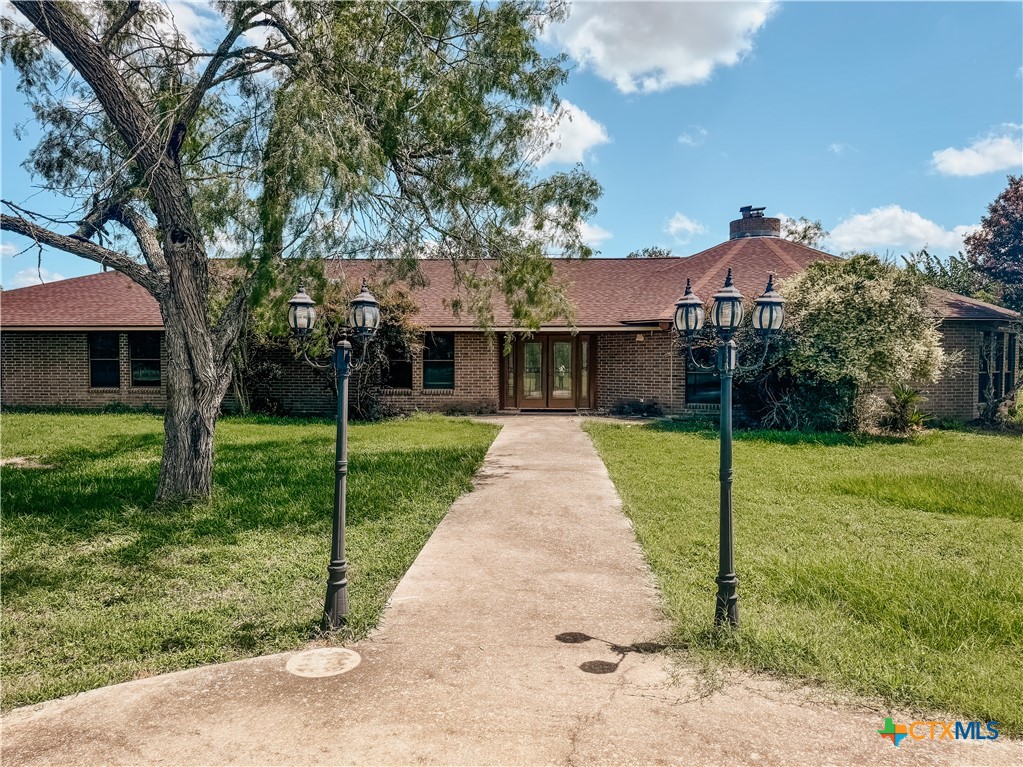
562 369
532 371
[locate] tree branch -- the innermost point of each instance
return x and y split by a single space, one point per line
116 209
208 78
121 105
79 246
135 223
129 12
229 326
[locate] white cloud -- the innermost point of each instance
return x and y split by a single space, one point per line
592 234
200 24
1002 149
694 137
555 239
573 134
893 226
681 227
33 276
648 47
6 249
837 147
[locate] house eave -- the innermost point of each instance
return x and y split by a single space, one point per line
542 329
76 328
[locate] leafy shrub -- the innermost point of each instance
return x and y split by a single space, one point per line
850 323
806 405
902 411
635 407
266 351
469 408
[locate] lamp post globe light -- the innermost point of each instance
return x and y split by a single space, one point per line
363 320
726 314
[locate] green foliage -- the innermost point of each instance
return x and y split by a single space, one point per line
358 129
902 411
861 320
653 251
851 551
266 350
996 249
100 588
804 231
778 401
634 407
849 324
956 275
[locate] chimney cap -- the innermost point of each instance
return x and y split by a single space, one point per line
754 224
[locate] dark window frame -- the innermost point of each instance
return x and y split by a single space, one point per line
140 359
399 373
439 361
1003 358
704 384
103 363
1011 360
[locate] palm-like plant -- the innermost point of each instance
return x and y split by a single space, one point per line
902 411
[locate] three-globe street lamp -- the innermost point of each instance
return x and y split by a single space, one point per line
726 314
364 320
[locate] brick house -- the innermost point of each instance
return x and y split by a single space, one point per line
92 341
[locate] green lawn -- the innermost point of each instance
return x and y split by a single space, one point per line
884 567
98 587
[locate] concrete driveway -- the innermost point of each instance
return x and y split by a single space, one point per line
528 632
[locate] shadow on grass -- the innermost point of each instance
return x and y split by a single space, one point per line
937 493
768 436
97 497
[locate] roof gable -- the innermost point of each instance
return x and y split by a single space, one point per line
104 300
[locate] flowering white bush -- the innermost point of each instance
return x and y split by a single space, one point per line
862 321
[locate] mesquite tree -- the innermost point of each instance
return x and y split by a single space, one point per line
313 129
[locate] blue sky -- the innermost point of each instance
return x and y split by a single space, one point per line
895 124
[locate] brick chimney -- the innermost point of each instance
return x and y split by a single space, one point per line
754 224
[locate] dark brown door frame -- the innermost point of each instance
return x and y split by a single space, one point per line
547 341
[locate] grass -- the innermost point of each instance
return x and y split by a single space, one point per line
101 587
890 568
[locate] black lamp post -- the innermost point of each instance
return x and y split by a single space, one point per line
364 320
726 314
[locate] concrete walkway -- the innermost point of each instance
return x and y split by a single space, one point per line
525 633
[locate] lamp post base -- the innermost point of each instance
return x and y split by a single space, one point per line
726 611
335 607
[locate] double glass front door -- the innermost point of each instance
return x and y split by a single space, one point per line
549 372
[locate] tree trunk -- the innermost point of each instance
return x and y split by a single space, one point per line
196 385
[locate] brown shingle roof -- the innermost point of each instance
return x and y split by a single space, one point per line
609 292
104 300
606 292
953 306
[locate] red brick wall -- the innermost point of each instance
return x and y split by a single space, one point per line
955 396
47 369
303 391
650 370
52 369
477 374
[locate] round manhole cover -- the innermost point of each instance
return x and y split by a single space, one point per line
328 661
